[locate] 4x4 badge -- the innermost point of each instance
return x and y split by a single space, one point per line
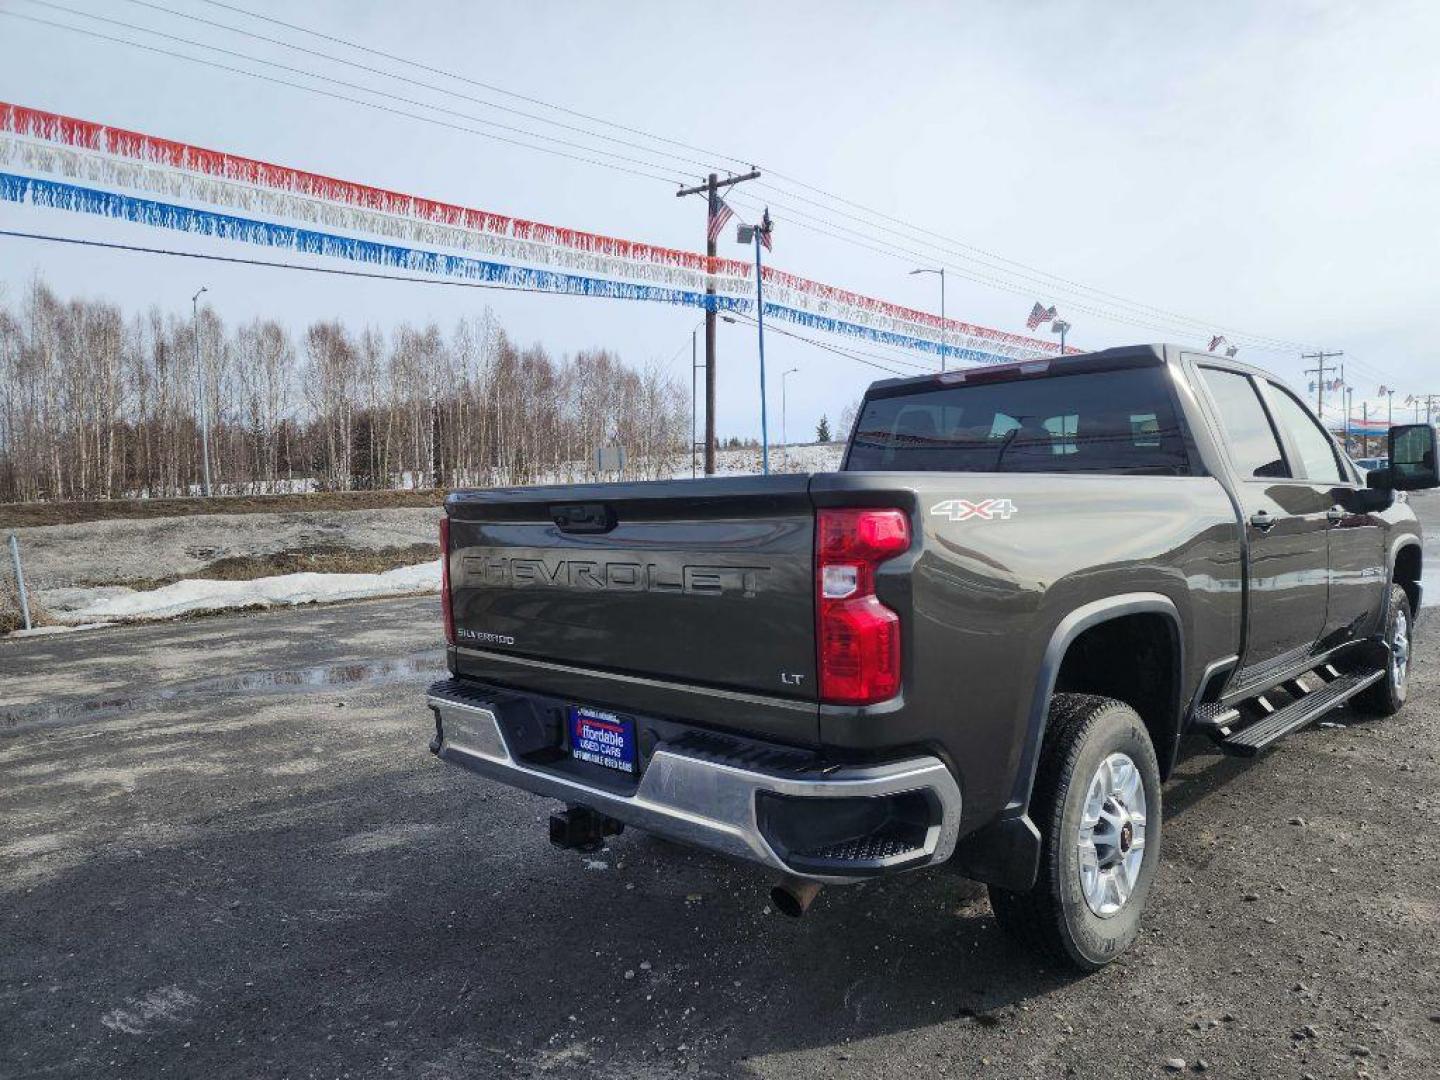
964 509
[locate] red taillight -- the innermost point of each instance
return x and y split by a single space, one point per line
858 638
446 610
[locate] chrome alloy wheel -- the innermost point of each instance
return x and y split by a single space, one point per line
1400 650
1111 840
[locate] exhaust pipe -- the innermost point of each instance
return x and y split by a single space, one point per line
793 896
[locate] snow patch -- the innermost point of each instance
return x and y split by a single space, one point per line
203 594
46 631
166 1006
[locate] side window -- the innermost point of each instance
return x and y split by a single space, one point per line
1252 442
1317 458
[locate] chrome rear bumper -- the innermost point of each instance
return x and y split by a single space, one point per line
703 801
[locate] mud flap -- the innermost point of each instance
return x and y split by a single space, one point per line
1005 853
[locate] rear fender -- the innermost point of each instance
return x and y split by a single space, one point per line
1007 851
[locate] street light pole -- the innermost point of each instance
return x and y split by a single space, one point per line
200 392
1349 404
693 387
944 329
760 329
1061 327
784 440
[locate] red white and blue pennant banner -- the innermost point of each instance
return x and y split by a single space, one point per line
61 162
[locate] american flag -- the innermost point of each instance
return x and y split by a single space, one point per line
766 228
720 213
1038 315
1217 341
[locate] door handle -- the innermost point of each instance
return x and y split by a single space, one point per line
1262 520
1335 515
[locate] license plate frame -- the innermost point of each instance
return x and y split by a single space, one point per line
603 740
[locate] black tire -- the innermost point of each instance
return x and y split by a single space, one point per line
1053 918
1387 697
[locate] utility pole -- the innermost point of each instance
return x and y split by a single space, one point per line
1428 399
200 392
1319 372
711 190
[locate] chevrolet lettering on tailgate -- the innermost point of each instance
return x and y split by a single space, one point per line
616 576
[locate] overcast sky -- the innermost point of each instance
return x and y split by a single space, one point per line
1270 168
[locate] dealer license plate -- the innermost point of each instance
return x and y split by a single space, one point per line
602 738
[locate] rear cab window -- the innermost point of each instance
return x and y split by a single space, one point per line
1119 421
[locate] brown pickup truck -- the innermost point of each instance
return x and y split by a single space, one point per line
977 645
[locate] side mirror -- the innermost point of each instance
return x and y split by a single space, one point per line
1412 457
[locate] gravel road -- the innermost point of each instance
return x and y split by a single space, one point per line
226 852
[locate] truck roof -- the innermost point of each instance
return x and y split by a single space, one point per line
1120 356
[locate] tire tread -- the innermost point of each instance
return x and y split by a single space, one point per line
1034 918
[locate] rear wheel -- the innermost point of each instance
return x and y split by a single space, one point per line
1096 803
1387 696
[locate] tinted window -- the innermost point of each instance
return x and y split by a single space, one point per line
1106 421
1311 443
1248 434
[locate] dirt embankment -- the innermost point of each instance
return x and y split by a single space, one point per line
147 552
31 515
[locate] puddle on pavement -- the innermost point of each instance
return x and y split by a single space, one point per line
424 665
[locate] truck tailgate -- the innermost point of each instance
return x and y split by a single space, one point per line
706 582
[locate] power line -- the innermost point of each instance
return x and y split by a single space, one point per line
336 271
343 83
667 180
1380 375
1048 283
702 165
1122 316
1039 278
907 255
491 286
473 82
858 356
827 347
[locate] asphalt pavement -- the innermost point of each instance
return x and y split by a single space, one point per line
226 852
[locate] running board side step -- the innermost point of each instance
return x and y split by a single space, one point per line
1256 736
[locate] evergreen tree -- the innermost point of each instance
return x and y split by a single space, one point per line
822 430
